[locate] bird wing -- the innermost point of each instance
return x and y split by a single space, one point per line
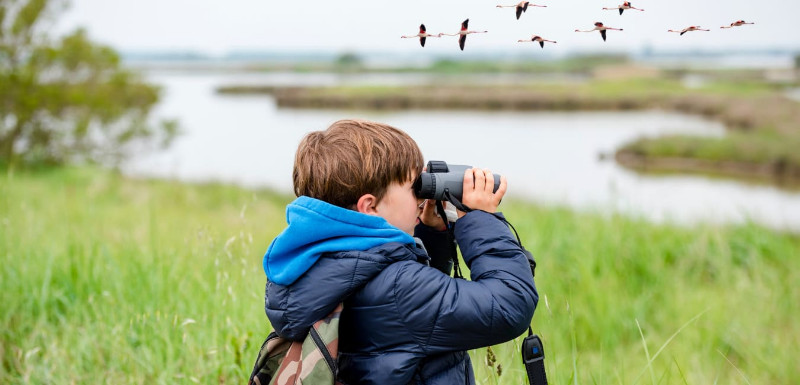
603 34
422 28
541 43
464 25
422 40
525 6
621 10
461 40
682 32
519 12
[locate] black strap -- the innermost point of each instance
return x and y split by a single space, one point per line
326 354
451 239
532 347
528 255
533 358
455 201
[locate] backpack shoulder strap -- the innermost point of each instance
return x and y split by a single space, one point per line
272 353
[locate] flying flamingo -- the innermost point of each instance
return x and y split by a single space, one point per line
521 7
536 38
689 29
598 26
462 34
737 23
625 5
422 35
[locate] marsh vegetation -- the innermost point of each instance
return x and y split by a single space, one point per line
112 279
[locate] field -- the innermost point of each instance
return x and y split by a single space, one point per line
110 279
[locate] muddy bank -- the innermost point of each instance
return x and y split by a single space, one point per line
767 124
780 173
771 111
247 90
474 98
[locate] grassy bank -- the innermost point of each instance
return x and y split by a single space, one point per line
108 279
764 124
763 157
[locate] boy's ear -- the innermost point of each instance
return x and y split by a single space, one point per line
367 204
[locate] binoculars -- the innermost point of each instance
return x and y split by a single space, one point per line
443 181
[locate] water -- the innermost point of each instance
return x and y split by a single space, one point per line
551 158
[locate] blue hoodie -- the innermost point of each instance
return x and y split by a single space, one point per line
317 227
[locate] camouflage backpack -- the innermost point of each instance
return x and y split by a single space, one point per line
311 361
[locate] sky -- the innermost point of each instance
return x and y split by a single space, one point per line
217 27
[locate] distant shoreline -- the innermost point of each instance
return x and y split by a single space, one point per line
763 125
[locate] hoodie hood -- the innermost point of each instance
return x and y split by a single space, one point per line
316 227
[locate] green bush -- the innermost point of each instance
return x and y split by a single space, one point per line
67 99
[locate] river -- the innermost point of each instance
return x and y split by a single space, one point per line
548 157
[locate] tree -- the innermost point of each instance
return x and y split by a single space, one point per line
68 99
348 61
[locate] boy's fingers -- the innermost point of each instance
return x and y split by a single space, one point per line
489 180
469 181
425 207
501 191
480 180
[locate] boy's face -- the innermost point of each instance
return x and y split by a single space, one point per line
400 207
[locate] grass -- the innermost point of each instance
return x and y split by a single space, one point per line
109 279
106 279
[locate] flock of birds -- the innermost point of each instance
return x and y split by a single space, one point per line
522 7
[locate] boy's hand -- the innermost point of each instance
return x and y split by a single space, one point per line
478 190
430 217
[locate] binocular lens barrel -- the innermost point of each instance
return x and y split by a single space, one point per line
442 177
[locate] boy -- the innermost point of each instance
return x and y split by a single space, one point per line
350 240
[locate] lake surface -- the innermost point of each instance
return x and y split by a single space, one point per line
550 158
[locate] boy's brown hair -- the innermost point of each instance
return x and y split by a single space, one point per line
352 158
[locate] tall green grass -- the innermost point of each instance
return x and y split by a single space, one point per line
730 294
110 279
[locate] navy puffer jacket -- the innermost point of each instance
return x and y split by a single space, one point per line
405 321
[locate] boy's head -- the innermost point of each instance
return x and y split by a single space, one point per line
353 158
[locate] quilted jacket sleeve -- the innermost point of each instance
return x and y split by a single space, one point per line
447 314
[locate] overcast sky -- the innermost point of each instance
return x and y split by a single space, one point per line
220 26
